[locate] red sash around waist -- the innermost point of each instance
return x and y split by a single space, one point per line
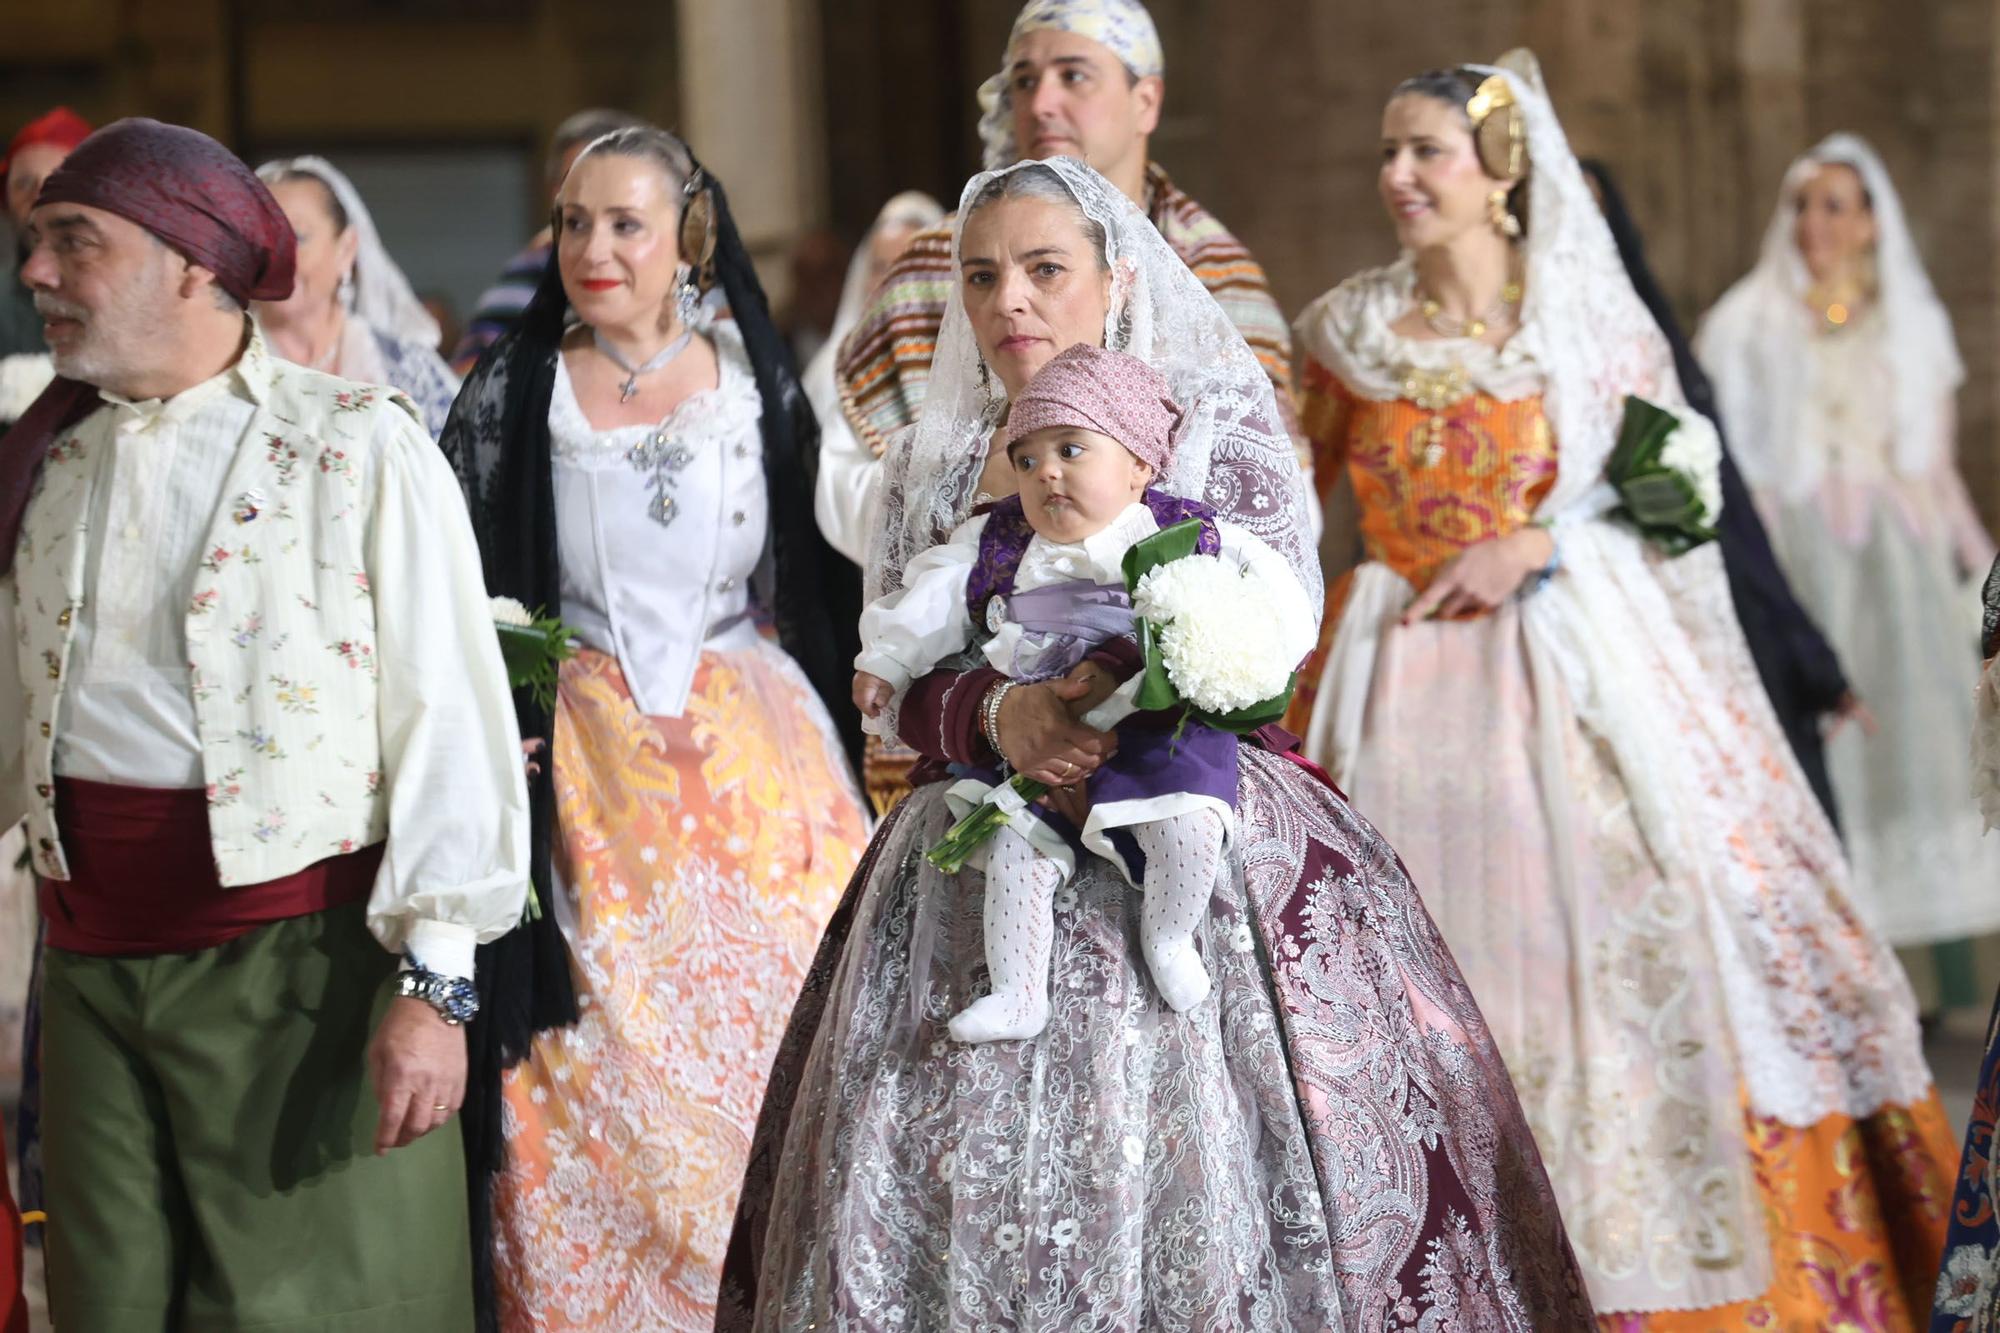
143 878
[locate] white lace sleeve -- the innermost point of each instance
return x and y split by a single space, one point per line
906 633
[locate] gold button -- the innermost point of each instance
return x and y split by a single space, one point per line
45 729
43 790
64 618
55 670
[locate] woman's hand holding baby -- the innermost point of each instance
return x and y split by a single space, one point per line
1041 738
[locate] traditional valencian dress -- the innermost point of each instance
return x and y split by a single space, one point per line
1720 1060
703 817
1327 1141
1845 434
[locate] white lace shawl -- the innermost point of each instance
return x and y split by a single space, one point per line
1231 449
1757 342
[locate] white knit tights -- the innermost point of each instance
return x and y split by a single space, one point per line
1183 855
1020 928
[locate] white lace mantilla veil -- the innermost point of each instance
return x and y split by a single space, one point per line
383 297
1676 711
1231 449
1757 341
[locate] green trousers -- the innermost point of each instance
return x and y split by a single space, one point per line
209 1140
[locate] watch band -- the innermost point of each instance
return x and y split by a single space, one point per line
454 998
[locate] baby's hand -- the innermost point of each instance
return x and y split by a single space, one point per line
871 694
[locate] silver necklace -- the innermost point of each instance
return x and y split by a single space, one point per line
653 363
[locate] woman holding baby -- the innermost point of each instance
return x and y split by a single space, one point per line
1317 1131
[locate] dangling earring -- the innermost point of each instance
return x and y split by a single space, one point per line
985 381
345 293
687 299
1501 216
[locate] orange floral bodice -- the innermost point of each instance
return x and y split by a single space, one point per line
1435 470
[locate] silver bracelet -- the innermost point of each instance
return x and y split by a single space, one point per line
989 715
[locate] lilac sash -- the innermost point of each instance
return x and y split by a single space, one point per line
1064 621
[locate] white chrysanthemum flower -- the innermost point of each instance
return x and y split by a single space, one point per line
507 611
1229 639
1695 451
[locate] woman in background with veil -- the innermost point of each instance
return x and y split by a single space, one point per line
1328 1141
1836 367
351 313
1560 728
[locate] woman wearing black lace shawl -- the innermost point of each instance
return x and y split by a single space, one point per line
687 752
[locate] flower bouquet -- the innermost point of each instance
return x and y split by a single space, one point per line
533 647
1667 470
1216 642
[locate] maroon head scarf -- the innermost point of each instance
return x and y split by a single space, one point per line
189 191
198 198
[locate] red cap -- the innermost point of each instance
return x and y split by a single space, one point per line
61 127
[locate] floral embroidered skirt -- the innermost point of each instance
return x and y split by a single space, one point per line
1328 1142
701 856
1968 1289
1721 1062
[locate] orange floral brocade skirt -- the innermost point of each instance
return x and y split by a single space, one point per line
702 856
1854 1212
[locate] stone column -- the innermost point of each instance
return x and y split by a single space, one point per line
751 106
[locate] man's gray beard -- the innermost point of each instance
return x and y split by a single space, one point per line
77 365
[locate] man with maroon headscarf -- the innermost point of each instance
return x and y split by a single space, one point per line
36 150
265 747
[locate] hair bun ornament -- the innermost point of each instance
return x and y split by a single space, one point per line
697 229
1498 131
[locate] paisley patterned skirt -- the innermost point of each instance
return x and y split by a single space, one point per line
702 855
1328 1142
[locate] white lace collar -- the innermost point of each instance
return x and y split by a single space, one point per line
1350 332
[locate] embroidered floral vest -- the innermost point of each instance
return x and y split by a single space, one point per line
280 631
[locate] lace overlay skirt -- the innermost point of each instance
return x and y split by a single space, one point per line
702 855
1328 1142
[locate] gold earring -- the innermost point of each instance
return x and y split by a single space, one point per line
1498 214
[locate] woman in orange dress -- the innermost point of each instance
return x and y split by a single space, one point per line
1560 729
647 472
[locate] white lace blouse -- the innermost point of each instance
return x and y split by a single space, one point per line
660 529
